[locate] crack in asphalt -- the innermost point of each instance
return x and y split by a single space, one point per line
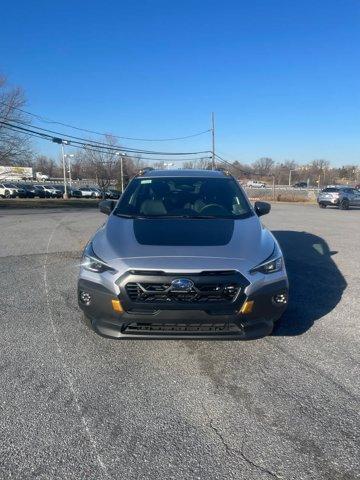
231 450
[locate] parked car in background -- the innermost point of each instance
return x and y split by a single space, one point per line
300 185
76 193
339 196
96 192
69 190
6 191
47 191
59 188
30 190
19 192
112 194
56 192
41 192
255 184
86 192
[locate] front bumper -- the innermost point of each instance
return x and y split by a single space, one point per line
329 201
186 320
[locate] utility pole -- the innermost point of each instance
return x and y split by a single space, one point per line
69 157
62 142
213 139
121 169
290 171
64 170
122 173
273 186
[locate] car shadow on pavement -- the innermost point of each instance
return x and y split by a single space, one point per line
316 283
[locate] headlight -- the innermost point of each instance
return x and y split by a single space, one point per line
273 264
93 263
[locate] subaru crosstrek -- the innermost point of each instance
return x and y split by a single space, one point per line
339 196
183 253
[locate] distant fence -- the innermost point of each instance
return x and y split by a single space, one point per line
282 194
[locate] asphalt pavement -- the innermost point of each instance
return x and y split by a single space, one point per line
74 405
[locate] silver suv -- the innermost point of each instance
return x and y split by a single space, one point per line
339 196
183 253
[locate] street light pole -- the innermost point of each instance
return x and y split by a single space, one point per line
62 142
121 170
65 196
69 156
273 186
290 176
122 173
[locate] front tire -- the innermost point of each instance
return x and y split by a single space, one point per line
87 322
344 204
322 205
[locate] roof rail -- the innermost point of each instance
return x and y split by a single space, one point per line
224 170
144 170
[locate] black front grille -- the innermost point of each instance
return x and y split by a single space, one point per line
154 292
182 328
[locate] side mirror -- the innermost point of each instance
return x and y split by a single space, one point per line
107 206
262 208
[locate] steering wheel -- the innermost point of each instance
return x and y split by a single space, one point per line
213 209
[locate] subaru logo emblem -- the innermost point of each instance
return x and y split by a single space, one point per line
181 285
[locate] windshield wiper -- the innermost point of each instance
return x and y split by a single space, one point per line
124 215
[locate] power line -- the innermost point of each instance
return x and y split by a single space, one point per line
229 164
96 149
100 147
73 140
47 120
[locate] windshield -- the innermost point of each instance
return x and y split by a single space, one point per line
184 197
331 190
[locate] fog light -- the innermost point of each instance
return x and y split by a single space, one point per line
280 299
85 298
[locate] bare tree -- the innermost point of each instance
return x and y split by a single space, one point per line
319 165
263 166
281 171
46 165
131 166
15 147
101 163
201 164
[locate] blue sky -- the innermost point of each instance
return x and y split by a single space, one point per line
281 76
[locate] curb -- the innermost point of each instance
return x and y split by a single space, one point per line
40 203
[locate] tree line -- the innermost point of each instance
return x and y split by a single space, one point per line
316 173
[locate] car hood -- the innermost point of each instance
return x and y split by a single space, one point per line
183 244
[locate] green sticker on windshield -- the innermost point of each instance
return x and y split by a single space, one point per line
145 181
